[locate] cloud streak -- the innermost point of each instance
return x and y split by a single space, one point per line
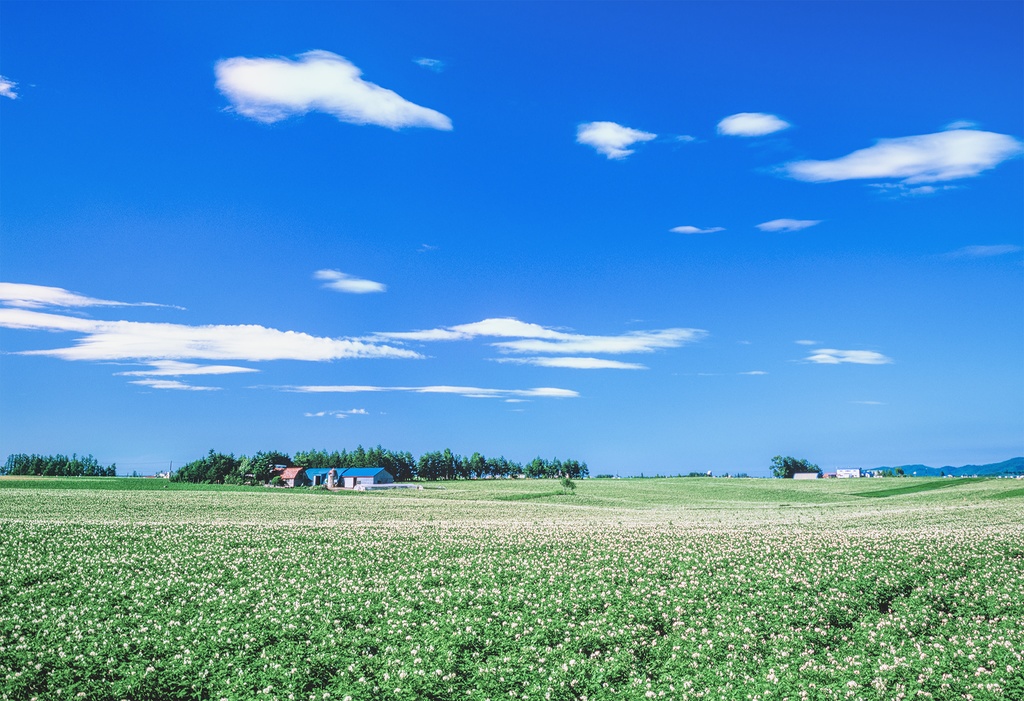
574 363
269 90
134 340
611 139
337 414
751 124
831 356
786 225
173 384
27 296
431 64
928 158
696 230
533 338
176 368
342 282
474 392
984 251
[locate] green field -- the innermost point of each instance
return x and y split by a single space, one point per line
687 588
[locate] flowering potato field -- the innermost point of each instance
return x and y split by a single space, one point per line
628 589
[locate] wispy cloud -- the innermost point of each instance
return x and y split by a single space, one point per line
611 139
831 356
984 251
787 224
176 368
898 190
134 340
271 89
26 296
805 342
751 124
431 64
534 338
928 158
342 282
173 384
338 414
7 88
754 372
426 248
475 392
574 363
696 230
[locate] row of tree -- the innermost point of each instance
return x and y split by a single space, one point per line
56 466
439 465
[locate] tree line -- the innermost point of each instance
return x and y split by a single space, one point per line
56 466
439 465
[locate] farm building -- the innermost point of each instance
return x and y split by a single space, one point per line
317 476
350 478
847 473
293 476
343 477
805 475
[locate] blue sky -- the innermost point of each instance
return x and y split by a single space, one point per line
657 237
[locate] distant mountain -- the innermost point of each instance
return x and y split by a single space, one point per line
1013 466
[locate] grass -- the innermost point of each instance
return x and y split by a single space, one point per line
919 487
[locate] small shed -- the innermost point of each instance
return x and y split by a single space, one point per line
293 477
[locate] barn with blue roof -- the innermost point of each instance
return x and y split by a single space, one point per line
348 477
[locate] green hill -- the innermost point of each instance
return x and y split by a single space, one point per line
1013 466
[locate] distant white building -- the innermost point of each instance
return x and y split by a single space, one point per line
847 472
805 475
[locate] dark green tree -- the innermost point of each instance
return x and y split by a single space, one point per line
788 466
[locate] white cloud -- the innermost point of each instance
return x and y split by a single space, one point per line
133 340
15 294
960 124
271 89
507 327
751 124
611 139
946 155
904 190
475 392
754 372
574 363
341 282
431 64
173 384
338 414
787 224
696 230
805 342
7 88
831 356
534 338
176 368
984 251
632 342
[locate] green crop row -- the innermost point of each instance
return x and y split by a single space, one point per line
179 595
